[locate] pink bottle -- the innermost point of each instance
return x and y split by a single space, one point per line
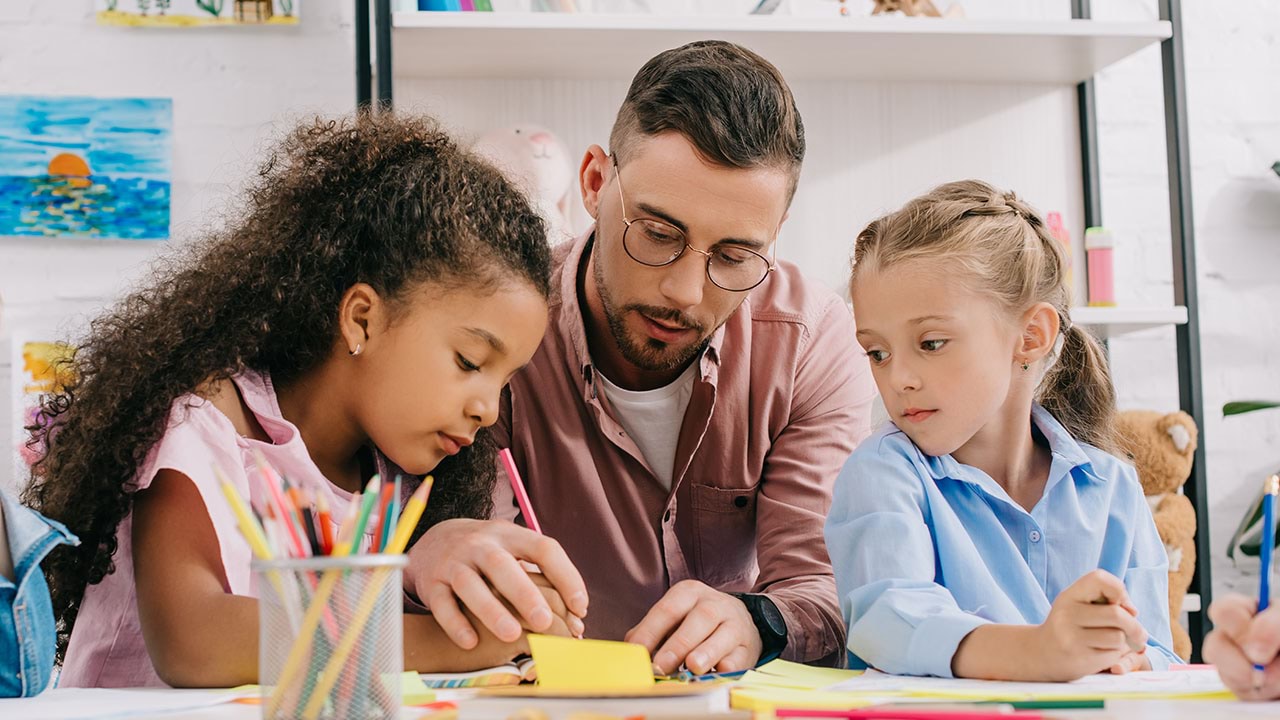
1099 248
1059 232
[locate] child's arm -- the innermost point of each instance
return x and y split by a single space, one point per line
1091 628
200 635
900 620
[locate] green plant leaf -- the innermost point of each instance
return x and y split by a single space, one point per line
1240 407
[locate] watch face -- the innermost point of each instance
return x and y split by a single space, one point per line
774 617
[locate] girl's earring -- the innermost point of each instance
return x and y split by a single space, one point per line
360 347
1025 365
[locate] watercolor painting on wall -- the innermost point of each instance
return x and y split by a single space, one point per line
39 367
197 13
85 167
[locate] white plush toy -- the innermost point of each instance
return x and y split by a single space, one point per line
535 159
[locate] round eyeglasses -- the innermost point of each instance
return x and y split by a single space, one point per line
655 243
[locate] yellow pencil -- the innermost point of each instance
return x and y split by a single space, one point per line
404 530
248 524
409 518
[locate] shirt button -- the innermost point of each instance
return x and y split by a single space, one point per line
741 501
1035 536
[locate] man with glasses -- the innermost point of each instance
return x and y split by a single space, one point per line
680 428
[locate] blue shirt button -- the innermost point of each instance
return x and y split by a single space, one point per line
1035 536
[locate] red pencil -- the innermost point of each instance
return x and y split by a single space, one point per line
384 505
326 524
270 479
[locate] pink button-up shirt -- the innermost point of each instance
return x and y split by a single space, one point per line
783 397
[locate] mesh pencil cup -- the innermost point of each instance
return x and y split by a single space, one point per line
330 637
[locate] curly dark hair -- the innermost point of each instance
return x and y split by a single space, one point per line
387 200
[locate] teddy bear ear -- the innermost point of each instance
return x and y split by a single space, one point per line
1181 430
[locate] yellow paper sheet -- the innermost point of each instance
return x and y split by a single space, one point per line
590 665
764 698
789 674
413 691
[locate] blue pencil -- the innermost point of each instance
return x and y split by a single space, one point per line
1264 552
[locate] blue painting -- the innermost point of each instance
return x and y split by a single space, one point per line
85 167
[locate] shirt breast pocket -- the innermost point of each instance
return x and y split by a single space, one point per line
724 521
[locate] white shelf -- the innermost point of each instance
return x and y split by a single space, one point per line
554 45
1112 321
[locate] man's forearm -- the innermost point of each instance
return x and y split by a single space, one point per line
815 629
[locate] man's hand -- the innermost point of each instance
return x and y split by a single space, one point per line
699 627
1240 638
478 562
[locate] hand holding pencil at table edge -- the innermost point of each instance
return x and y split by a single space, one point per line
1092 627
1245 641
470 574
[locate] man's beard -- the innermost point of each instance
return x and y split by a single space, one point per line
648 353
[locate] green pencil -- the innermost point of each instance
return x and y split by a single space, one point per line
1065 704
366 507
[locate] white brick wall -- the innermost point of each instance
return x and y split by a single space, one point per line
1232 65
232 89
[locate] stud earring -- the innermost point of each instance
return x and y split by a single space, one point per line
1025 365
360 347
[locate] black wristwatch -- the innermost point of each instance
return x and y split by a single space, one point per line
768 621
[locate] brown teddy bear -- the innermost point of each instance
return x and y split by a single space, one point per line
1161 448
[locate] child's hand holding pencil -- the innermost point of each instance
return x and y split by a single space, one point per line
1092 628
1245 642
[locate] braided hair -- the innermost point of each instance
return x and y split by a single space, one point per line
1002 246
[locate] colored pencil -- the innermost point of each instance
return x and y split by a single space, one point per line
1265 552
390 515
326 524
517 486
404 530
281 504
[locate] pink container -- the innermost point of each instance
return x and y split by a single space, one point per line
1099 248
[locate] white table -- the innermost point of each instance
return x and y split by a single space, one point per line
1115 710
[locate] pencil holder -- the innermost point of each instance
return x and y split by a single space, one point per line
330 637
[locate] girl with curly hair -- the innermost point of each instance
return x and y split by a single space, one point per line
362 316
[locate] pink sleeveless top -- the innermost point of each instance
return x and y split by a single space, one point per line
107 648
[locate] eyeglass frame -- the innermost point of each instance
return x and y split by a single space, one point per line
622 201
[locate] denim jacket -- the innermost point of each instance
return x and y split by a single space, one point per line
27 637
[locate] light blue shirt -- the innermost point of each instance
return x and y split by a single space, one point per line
925 549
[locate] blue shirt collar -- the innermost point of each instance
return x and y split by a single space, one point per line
1066 452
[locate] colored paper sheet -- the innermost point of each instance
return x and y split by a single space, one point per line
590 665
